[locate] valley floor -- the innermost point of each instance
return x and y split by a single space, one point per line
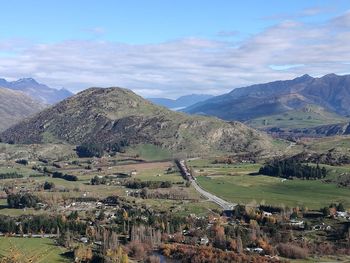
235 183
238 183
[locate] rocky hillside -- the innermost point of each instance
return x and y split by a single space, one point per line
37 91
111 115
331 92
16 106
325 130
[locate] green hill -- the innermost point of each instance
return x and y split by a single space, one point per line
112 115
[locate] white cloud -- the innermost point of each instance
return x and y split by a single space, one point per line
307 12
184 66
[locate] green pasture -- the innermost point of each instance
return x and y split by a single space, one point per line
40 250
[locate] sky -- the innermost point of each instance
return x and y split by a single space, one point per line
172 48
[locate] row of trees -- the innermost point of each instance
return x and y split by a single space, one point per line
173 194
290 168
67 177
10 175
137 184
35 224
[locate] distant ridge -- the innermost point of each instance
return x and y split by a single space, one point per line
181 102
37 91
15 106
331 92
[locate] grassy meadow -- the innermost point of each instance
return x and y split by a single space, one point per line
40 250
234 183
276 191
304 118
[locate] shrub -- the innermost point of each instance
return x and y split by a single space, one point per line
36 175
22 161
67 177
10 175
97 180
292 251
48 185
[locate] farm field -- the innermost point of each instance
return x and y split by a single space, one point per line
40 250
233 183
270 190
108 166
149 152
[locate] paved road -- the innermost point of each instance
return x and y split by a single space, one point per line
211 197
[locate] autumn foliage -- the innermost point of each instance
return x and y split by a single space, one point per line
204 254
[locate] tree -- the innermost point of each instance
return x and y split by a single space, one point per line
73 215
239 244
22 200
67 239
96 180
89 150
340 207
325 211
124 258
117 255
125 219
83 254
48 185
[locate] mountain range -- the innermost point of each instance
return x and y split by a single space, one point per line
111 115
37 91
15 106
331 92
181 102
305 106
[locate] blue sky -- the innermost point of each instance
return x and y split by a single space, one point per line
171 48
150 21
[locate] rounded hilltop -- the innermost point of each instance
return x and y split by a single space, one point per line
110 115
